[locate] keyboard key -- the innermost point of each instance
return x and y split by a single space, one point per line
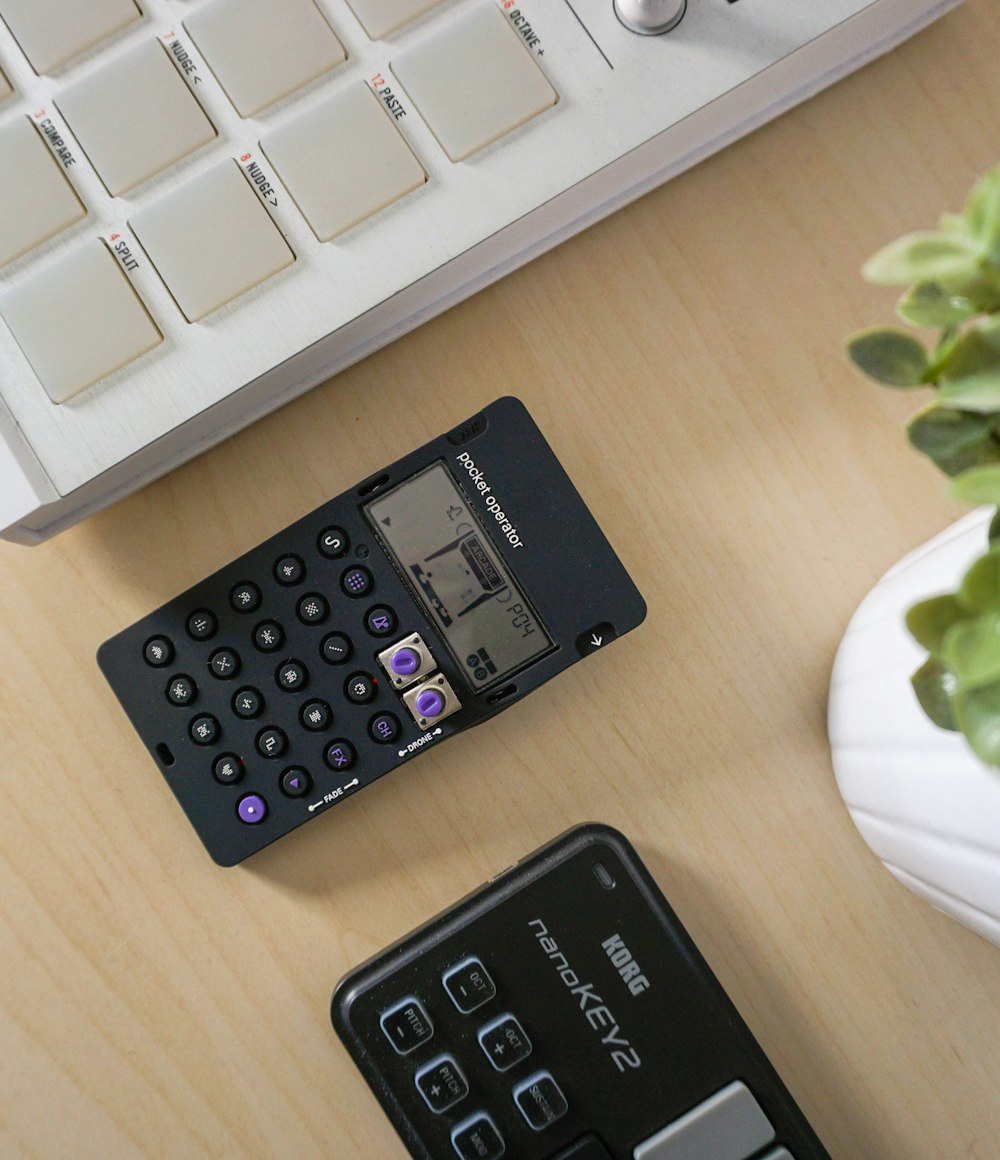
474 82
469 985
261 50
441 1083
40 202
540 1101
380 17
135 116
478 1138
51 32
78 320
343 161
407 1025
5 88
727 1126
505 1042
211 240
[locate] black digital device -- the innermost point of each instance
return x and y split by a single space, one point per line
422 602
562 1012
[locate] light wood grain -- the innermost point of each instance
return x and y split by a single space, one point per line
685 360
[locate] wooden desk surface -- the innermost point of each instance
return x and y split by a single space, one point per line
684 358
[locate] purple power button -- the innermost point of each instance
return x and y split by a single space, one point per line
252 809
430 703
405 662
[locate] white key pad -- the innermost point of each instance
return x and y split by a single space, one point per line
51 32
78 320
211 240
474 82
262 50
40 201
380 17
135 117
343 161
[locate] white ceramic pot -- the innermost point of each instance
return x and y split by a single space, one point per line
922 800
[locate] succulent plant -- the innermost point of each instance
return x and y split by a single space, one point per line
952 280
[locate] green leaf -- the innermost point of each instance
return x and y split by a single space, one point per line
982 210
995 529
977 713
971 381
980 588
954 440
971 649
935 688
930 620
979 485
928 304
889 356
923 257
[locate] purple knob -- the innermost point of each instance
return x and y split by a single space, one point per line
252 809
430 703
405 662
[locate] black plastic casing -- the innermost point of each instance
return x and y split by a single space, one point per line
540 930
572 578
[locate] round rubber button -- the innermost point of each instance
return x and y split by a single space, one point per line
430 703
227 768
289 570
158 652
333 543
316 716
248 703
336 648
251 809
292 676
245 597
181 690
202 624
357 582
385 728
340 755
205 730
271 742
380 620
312 609
360 688
295 781
224 663
268 636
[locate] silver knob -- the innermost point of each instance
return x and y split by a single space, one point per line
650 17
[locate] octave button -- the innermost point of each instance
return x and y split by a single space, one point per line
505 1043
469 985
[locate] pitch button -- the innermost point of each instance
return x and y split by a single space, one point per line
442 1084
407 1025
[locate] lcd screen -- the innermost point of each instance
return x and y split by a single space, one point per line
455 572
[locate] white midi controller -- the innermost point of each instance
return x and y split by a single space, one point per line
214 205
